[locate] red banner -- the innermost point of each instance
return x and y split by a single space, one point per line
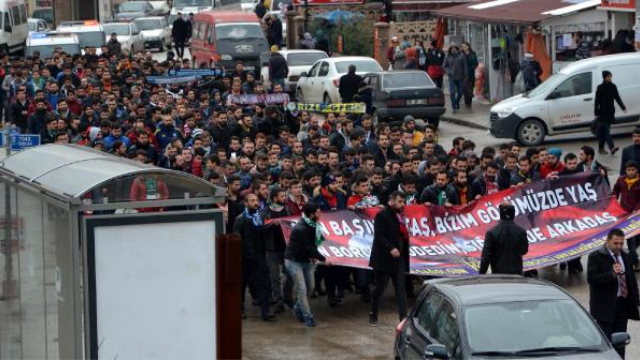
564 218
619 4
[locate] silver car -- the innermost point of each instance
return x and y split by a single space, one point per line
155 32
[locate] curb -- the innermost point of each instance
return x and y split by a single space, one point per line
463 122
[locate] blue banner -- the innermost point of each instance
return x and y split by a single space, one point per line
169 80
196 72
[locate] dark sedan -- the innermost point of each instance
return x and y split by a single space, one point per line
500 316
397 94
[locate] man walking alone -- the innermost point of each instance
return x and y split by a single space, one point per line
504 245
390 255
605 111
180 34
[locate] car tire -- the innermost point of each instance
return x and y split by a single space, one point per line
531 132
375 119
326 99
299 95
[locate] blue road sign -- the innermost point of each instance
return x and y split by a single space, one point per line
24 141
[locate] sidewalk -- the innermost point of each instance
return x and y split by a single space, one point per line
476 117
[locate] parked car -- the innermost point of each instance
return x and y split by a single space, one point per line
14 32
155 32
90 33
400 93
46 43
298 61
128 35
161 7
564 103
248 5
37 25
134 9
44 13
500 316
320 84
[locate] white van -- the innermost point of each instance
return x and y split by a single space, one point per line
46 44
15 28
564 103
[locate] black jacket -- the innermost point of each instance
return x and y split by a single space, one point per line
253 238
278 68
349 85
273 236
605 109
302 244
504 247
631 152
17 116
386 237
603 286
180 31
432 192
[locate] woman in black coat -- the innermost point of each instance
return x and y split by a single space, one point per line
605 111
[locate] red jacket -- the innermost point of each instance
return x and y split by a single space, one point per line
546 169
629 198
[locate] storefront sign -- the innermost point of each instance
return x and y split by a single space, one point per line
619 4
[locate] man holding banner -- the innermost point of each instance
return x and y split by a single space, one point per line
390 255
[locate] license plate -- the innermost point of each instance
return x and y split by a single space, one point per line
417 102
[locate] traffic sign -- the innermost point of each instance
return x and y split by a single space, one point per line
21 142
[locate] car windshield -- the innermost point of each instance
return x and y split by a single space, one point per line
33 26
183 3
44 14
90 38
47 50
406 80
361 66
132 7
546 85
528 325
302 59
238 31
148 24
119 29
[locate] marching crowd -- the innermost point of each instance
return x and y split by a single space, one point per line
274 163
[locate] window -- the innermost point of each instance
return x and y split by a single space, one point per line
23 14
447 330
7 20
314 70
374 82
203 32
15 15
210 37
324 69
580 84
426 317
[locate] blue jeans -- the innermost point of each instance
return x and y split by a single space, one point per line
456 91
301 273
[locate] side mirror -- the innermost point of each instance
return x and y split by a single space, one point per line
303 74
620 339
436 351
7 28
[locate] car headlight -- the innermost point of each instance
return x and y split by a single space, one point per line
226 57
506 112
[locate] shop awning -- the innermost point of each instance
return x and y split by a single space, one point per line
525 12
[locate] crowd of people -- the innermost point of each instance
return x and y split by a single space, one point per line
274 162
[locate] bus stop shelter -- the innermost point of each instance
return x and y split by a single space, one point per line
104 257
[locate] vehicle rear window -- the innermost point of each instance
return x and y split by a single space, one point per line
119 29
406 80
361 66
47 50
132 7
148 24
301 59
236 32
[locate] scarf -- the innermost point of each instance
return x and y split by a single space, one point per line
332 199
442 197
525 177
404 232
276 207
463 195
319 235
631 181
256 219
492 186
